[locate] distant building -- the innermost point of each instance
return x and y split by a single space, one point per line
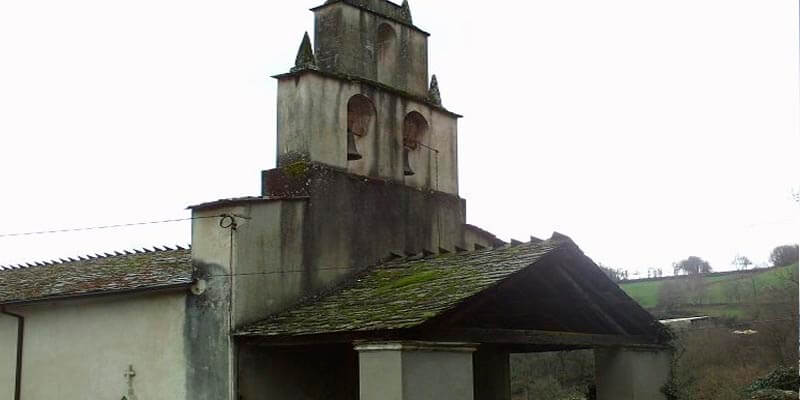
688 323
354 274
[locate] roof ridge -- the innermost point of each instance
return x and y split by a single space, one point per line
92 257
401 294
393 260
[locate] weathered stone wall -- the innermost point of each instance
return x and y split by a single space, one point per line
385 8
346 41
262 259
81 349
251 271
210 349
331 224
312 125
355 221
479 237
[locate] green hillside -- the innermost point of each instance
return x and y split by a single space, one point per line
737 294
646 292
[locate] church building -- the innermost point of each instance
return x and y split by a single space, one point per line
353 275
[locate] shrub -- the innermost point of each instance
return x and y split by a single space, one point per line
783 378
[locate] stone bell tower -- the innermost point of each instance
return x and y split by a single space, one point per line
367 168
361 101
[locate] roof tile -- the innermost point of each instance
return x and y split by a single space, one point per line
403 294
134 271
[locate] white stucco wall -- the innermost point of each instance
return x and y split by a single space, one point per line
80 349
8 355
410 371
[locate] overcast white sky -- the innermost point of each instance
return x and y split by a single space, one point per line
648 131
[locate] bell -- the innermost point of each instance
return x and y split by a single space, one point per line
352 151
406 165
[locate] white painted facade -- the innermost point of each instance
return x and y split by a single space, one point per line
81 349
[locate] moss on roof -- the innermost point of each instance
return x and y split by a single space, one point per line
119 273
404 294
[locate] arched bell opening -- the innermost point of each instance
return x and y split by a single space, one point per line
415 127
360 114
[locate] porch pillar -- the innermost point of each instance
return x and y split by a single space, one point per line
415 371
492 373
632 374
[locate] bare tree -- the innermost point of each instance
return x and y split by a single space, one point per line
741 262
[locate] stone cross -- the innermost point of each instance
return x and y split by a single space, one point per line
130 374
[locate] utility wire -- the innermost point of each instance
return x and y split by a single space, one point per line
105 226
292 271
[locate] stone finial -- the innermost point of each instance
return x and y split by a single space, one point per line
305 56
406 11
433 93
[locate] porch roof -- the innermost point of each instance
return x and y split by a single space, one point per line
461 290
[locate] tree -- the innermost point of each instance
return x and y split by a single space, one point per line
670 295
616 274
733 290
692 266
741 262
655 272
784 255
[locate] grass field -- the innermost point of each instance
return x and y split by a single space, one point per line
725 295
646 293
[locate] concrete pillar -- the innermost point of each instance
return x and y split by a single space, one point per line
415 371
628 374
492 374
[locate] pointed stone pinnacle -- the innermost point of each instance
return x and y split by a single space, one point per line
433 93
407 11
305 56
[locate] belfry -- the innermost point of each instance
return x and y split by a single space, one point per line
365 98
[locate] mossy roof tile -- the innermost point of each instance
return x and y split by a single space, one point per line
108 274
403 294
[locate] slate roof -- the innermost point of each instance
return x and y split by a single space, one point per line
242 201
105 274
405 294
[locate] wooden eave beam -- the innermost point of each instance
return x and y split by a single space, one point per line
633 315
320 339
588 296
540 338
515 338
